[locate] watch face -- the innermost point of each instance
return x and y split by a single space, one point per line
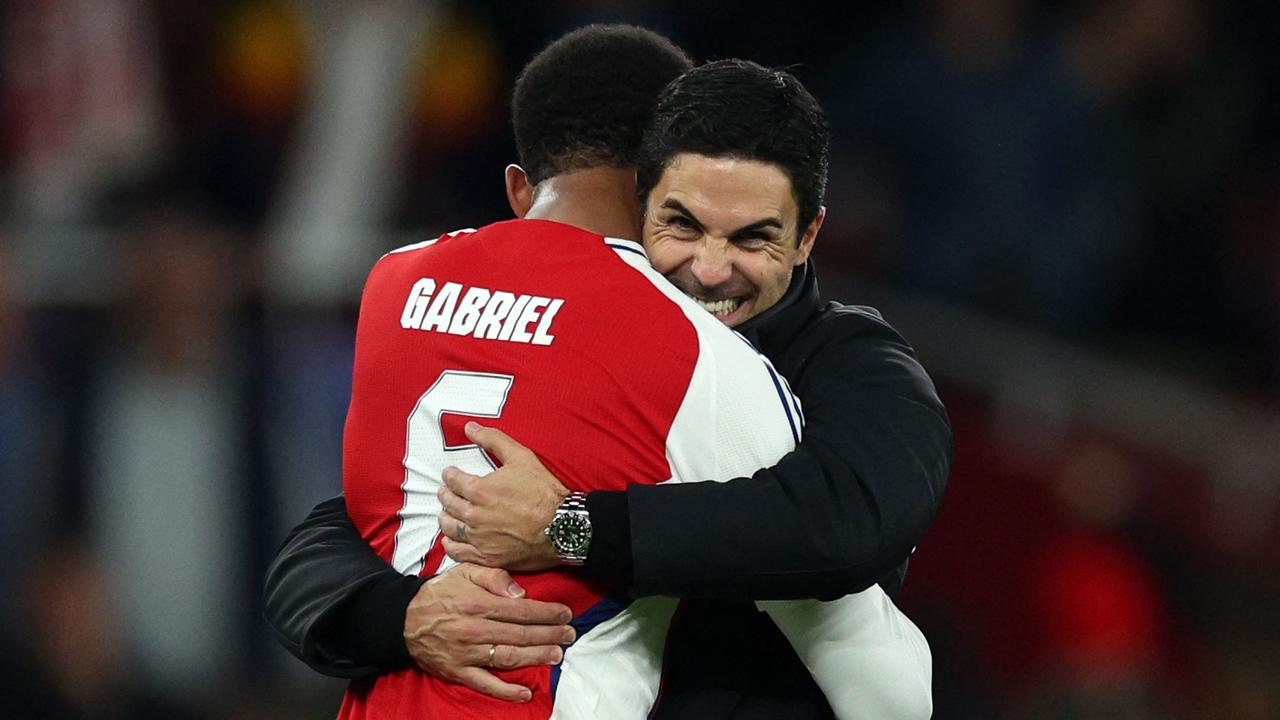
570 534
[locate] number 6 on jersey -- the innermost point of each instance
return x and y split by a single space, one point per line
427 455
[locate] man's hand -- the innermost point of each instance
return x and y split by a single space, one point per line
498 520
456 618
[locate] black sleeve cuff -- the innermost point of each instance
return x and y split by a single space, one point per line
609 557
370 625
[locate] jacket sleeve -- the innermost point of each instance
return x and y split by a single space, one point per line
832 517
332 602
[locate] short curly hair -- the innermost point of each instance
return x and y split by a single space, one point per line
585 100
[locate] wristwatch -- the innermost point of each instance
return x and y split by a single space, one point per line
570 530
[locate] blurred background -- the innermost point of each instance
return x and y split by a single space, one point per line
1071 208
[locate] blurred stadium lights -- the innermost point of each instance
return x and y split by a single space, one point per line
337 185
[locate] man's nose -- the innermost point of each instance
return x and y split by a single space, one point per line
713 262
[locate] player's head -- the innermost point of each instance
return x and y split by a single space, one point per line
585 100
732 172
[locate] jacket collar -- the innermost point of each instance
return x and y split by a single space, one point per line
776 328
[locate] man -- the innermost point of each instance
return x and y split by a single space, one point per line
819 496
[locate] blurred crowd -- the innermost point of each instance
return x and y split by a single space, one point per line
191 193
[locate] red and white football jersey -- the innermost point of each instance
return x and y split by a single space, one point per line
571 343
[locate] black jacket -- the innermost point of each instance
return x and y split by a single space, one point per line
838 514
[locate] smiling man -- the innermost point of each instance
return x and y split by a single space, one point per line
722 229
732 172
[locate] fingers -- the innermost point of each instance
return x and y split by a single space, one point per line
533 612
524 636
463 552
496 443
482 680
510 657
457 507
508 605
451 527
464 623
495 580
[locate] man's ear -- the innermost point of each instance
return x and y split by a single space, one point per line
810 234
519 191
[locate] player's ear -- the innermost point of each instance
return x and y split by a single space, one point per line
519 191
810 234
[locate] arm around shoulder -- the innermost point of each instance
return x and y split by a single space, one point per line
332 602
831 517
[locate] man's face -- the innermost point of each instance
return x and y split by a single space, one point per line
724 232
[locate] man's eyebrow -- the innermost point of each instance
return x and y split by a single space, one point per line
676 205
757 225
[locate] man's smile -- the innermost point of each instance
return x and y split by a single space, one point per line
720 308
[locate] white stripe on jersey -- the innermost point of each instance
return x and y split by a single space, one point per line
795 399
627 245
428 243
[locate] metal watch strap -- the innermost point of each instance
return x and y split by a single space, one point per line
572 510
574 501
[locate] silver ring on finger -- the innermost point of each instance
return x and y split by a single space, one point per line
493 649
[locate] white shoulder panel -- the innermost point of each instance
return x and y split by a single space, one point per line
413 246
429 243
738 414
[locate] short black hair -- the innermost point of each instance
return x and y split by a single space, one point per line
736 108
585 100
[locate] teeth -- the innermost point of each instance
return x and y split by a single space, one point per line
719 307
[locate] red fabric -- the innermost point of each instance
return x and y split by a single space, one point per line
1102 607
1021 589
596 405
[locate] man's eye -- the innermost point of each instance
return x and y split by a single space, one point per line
753 241
680 223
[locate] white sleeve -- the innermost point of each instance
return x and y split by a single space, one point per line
868 658
738 414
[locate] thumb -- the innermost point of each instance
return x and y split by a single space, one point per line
495 442
497 581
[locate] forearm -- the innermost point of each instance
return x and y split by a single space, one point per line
839 513
332 602
609 558
806 528
831 518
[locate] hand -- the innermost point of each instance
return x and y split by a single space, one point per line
505 512
457 617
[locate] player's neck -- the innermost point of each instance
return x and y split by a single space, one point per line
599 200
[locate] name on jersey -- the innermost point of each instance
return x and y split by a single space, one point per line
480 313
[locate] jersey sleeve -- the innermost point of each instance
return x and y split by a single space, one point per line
867 657
738 414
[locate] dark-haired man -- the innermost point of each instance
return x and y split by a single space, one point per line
689 216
